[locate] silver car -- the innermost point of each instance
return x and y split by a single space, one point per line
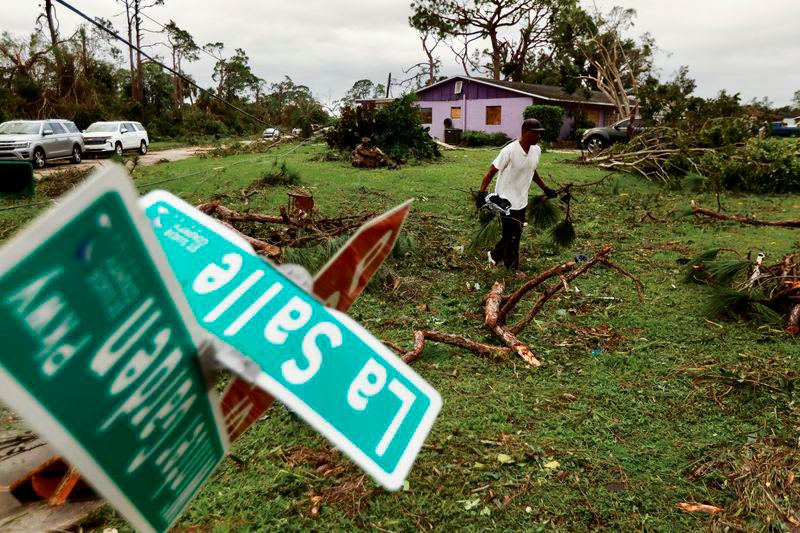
39 141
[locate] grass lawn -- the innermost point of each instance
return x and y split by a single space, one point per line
637 407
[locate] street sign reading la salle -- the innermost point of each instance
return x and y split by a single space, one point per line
317 361
97 357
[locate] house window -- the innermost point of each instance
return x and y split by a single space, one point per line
455 112
459 85
493 115
426 115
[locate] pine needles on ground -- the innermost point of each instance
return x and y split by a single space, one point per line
727 301
694 182
314 258
723 272
486 237
695 267
543 213
563 233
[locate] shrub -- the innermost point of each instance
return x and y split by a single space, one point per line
551 117
480 138
760 166
395 129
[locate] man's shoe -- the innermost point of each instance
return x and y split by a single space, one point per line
492 262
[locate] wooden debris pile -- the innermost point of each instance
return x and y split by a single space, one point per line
658 154
498 307
298 225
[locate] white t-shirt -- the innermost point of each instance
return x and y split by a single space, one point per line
515 172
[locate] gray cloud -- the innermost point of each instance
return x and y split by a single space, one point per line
738 45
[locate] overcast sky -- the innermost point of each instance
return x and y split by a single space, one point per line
746 46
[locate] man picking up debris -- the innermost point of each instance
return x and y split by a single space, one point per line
516 167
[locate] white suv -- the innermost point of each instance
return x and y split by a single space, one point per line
115 137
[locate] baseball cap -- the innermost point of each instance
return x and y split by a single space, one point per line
532 124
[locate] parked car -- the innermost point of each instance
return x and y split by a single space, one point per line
115 138
786 128
598 139
39 141
271 133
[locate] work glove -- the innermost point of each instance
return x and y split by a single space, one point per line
550 193
480 199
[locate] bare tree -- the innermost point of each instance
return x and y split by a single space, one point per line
52 24
183 48
617 64
465 21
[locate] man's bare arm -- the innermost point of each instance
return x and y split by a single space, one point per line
540 182
487 179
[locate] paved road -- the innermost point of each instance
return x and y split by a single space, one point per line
173 154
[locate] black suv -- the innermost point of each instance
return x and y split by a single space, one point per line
597 139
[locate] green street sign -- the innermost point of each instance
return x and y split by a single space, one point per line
317 361
97 356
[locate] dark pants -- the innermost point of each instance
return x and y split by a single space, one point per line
507 249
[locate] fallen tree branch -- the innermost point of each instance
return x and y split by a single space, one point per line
420 336
743 219
493 322
297 229
497 307
270 250
556 287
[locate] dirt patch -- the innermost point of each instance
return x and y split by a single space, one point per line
163 156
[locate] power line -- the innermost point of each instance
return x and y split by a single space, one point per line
159 63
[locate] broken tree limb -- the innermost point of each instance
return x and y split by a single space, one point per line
556 287
493 322
743 219
289 229
270 250
793 324
497 307
420 336
532 284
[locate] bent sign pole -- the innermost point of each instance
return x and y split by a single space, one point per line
337 285
317 361
100 353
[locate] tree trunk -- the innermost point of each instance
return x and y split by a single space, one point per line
495 56
139 71
49 11
134 90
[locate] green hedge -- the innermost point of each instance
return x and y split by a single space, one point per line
480 138
551 117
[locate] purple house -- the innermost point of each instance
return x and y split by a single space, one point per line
481 104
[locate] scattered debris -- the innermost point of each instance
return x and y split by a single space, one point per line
58 183
366 155
699 508
271 234
498 306
762 475
748 288
744 219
